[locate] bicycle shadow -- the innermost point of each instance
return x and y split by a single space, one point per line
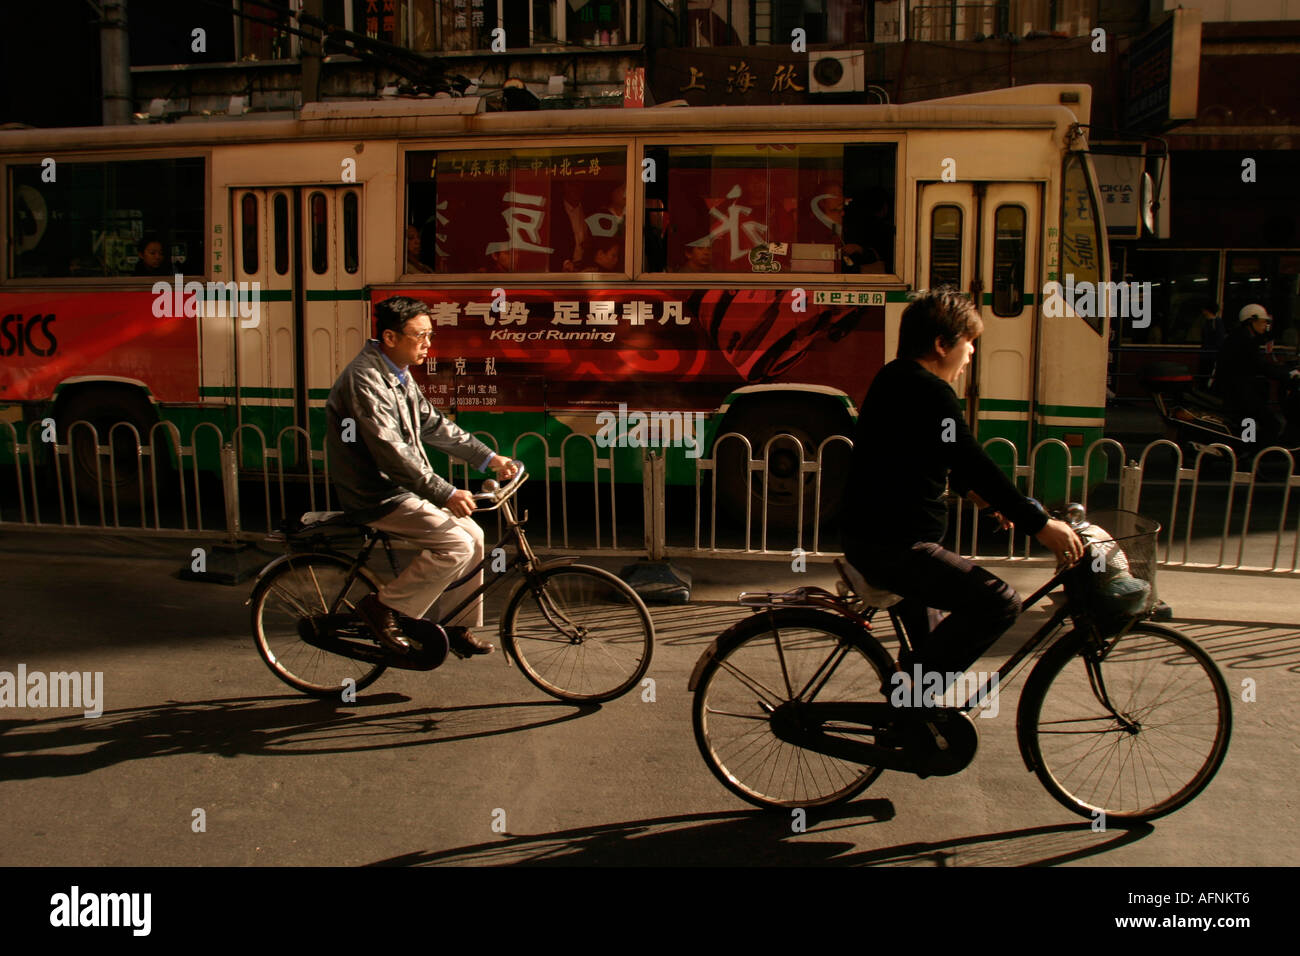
762 838
265 726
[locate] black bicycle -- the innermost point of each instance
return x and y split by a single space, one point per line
800 705
577 632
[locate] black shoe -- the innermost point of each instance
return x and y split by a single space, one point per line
464 644
383 624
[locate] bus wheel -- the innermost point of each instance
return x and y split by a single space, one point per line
103 408
811 421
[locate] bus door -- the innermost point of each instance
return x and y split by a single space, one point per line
982 238
301 245
335 310
946 252
266 352
1009 243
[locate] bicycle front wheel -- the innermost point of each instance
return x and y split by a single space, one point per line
785 658
1134 732
302 590
579 633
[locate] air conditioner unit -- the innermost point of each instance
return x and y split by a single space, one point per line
837 71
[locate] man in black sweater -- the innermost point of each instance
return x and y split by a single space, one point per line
911 440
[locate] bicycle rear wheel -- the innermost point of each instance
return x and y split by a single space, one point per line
1155 747
286 601
579 633
772 659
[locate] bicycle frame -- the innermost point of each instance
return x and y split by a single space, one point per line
525 561
820 598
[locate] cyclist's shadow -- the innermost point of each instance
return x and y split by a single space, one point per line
767 839
269 726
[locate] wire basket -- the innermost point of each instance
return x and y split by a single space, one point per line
1116 580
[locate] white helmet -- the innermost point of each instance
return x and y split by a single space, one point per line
1253 311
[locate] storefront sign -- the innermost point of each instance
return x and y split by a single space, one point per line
1164 72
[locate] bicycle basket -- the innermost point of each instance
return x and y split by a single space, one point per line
1116 580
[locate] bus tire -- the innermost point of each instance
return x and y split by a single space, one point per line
103 407
812 420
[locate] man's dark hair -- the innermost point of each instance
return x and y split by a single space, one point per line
944 314
143 244
394 313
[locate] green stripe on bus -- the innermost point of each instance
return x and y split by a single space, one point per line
1027 298
263 295
1004 404
1073 411
336 295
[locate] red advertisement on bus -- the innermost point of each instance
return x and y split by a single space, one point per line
529 350
48 338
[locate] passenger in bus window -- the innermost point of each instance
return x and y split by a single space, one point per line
152 261
498 261
698 258
656 235
414 263
606 255
868 233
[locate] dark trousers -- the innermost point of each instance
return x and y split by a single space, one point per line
930 579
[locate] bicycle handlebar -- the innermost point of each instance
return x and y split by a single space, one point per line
499 494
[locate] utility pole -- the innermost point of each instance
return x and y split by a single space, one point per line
115 64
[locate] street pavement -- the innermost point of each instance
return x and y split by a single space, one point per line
471 764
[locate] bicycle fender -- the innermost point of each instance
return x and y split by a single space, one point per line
276 562
720 644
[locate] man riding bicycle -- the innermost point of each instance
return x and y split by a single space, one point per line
378 423
911 441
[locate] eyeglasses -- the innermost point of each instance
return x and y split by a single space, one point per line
421 336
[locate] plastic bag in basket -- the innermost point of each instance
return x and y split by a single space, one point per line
1119 594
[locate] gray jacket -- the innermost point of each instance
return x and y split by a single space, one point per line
384 462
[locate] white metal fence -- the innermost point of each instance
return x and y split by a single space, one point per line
1216 512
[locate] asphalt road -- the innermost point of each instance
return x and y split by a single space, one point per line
470 764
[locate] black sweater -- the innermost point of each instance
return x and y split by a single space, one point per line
901 460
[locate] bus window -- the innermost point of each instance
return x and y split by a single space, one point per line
319 233
1008 260
765 208
945 246
280 217
248 232
350 227
96 219
557 210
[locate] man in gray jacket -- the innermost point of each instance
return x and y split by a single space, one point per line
377 425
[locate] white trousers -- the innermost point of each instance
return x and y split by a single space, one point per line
452 546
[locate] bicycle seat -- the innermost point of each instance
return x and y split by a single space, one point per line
312 520
315 524
874 597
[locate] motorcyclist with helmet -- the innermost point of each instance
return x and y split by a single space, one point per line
1242 374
